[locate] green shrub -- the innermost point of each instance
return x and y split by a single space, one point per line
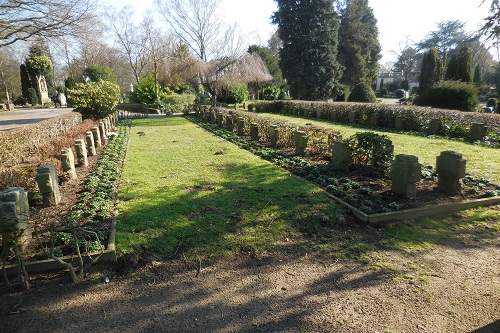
94 99
177 103
234 93
39 65
371 150
144 91
33 97
99 73
345 91
271 92
453 95
362 92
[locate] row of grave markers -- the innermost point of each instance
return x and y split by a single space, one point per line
405 169
14 206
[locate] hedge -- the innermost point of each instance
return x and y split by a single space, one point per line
374 115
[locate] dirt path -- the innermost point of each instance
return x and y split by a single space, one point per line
457 290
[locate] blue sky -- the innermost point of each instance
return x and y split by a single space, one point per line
398 19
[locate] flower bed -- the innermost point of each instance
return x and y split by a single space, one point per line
455 124
359 186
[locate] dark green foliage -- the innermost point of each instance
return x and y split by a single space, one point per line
309 31
359 46
25 81
39 65
33 97
271 92
448 35
99 72
497 78
453 95
478 78
431 72
70 83
372 150
345 91
144 91
234 93
362 92
460 65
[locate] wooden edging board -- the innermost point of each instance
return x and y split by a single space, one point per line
51 265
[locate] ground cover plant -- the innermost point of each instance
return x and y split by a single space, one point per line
365 188
188 193
481 161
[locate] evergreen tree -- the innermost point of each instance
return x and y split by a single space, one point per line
460 65
431 72
309 31
359 45
26 83
478 78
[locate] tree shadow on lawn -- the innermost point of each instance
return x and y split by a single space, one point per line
255 209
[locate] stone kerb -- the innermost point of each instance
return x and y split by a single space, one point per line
68 163
300 140
273 135
14 216
405 174
96 133
89 140
81 153
48 184
450 167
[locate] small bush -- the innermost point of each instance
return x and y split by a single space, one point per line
372 150
271 92
33 97
453 95
99 73
95 99
234 93
362 92
144 91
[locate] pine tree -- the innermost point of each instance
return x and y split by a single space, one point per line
431 72
309 31
359 46
460 65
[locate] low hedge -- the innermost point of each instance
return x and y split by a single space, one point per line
319 137
398 117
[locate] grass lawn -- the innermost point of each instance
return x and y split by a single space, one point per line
187 192
481 161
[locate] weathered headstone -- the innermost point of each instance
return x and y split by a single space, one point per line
352 116
450 167
435 126
399 123
341 156
373 119
89 140
41 89
48 184
254 131
229 122
478 131
68 163
102 132
81 153
213 116
220 119
240 126
14 216
274 135
96 133
62 100
405 173
300 139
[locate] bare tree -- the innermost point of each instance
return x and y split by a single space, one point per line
21 20
195 22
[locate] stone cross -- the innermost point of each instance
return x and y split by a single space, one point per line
48 184
89 140
300 139
406 171
450 167
96 133
341 156
273 135
68 163
254 131
81 153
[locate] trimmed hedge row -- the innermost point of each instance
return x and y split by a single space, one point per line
400 117
319 141
19 145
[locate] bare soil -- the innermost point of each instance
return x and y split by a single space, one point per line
447 289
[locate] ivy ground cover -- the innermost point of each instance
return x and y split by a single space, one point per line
187 192
481 161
